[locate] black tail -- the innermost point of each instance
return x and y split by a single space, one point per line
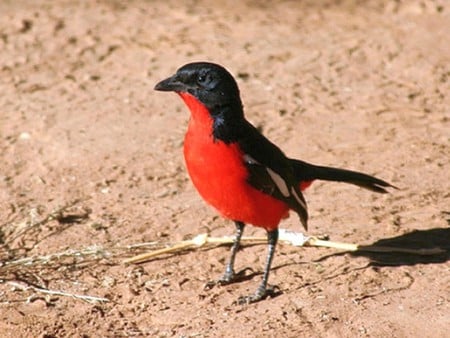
309 172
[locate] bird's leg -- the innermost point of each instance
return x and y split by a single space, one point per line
229 269
262 291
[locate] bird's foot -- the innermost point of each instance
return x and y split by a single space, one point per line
260 294
228 277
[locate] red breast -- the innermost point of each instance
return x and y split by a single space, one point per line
218 172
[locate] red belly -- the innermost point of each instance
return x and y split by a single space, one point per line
220 176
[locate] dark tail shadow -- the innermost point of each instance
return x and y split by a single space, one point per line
416 240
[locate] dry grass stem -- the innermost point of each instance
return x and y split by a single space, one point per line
86 298
286 237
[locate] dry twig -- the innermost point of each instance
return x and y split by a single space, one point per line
285 237
86 298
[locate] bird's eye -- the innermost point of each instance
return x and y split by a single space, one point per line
201 79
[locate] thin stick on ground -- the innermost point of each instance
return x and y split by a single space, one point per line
286 237
86 298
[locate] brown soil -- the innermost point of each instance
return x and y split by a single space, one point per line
91 163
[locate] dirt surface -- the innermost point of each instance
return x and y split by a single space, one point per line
91 165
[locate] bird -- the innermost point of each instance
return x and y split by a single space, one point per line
237 170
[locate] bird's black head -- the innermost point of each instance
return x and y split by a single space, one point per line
209 83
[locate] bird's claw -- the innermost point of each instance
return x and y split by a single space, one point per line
210 284
228 277
260 294
224 280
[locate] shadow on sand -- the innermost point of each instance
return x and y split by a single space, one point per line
415 240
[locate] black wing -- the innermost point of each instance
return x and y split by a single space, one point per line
271 172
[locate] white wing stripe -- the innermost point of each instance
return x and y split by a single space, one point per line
250 160
281 184
299 200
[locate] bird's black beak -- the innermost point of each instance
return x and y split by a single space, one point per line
171 84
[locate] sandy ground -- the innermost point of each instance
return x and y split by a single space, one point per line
91 165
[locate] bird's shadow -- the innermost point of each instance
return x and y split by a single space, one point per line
418 240
438 238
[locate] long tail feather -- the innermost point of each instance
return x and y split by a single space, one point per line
308 172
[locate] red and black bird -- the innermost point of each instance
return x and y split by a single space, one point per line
236 169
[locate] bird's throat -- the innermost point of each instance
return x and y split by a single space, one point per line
200 116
